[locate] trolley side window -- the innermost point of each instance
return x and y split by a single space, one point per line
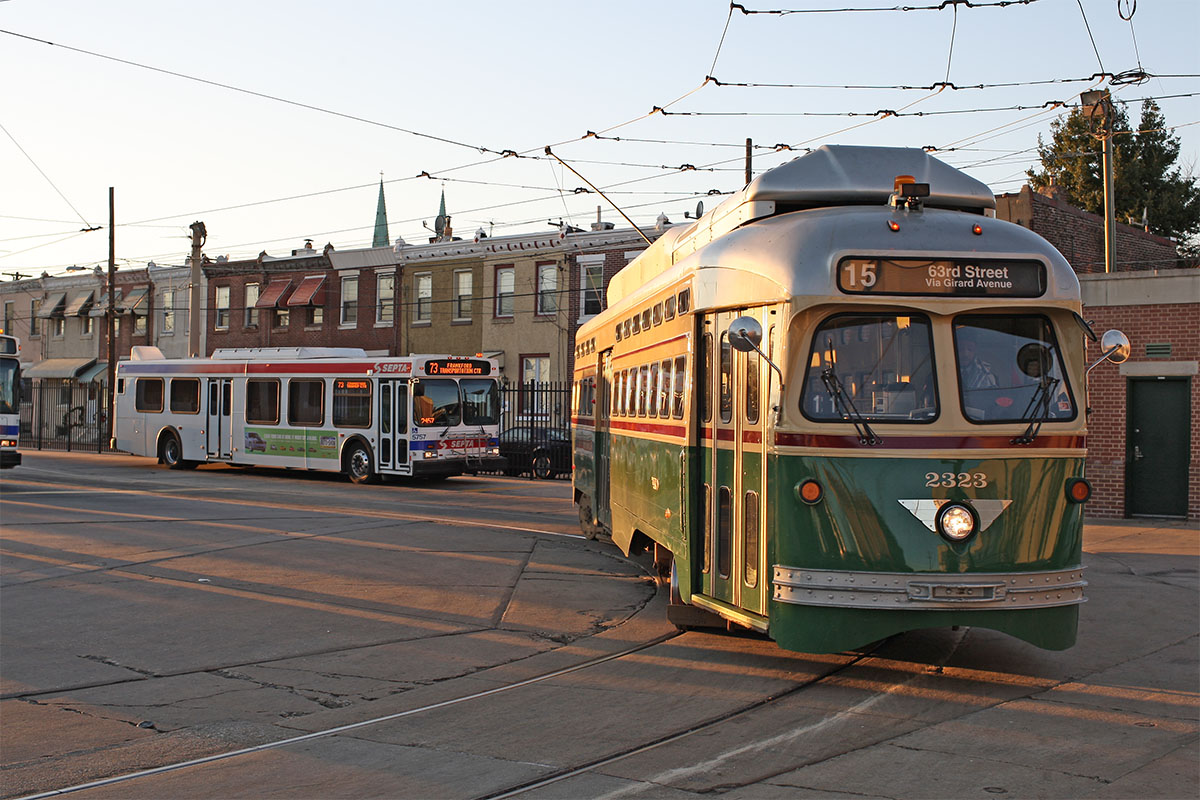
185 395
149 397
726 378
664 389
879 366
352 403
436 403
306 402
652 391
262 401
680 385
481 402
1010 369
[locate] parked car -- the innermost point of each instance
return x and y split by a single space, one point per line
540 451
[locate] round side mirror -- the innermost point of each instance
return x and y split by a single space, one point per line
745 334
1115 346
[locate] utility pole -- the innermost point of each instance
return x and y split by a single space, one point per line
111 313
749 172
1099 104
199 235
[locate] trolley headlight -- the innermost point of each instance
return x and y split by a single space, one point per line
809 492
956 522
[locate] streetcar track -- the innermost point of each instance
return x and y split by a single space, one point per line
116 779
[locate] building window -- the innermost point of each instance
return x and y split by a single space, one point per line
35 327
315 316
282 317
547 293
58 327
385 299
591 282
462 294
251 302
139 324
349 301
8 317
168 309
505 286
85 325
535 369
222 321
424 283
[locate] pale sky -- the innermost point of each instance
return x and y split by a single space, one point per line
514 76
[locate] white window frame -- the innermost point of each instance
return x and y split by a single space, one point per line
511 271
251 317
349 302
385 306
168 318
423 282
462 298
221 303
590 263
547 290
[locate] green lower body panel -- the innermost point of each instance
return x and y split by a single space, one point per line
810 629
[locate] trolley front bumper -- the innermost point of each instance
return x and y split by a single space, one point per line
916 590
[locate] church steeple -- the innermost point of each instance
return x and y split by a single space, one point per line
381 227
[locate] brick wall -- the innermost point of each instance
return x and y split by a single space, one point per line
1175 323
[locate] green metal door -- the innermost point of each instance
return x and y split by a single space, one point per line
1156 447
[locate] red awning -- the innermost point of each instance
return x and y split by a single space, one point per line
310 292
275 291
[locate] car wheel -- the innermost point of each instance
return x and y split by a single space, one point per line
541 465
359 467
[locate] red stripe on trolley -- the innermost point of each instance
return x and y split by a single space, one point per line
1067 442
647 427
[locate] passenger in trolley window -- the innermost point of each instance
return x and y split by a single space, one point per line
974 372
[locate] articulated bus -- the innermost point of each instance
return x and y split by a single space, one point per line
846 403
334 409
10 400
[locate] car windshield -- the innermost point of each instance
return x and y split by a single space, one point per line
481 402
435 403
1010 369
877 367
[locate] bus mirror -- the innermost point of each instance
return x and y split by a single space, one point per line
745 334
1114 347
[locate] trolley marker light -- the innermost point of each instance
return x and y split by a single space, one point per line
956 522
1078 490
809 492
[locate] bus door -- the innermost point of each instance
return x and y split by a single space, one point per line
602 439
220 427
393 426
733 455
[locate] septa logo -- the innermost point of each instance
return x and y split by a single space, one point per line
396 368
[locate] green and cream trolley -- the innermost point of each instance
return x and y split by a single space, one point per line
846 403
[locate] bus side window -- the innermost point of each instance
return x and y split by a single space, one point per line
306 401
262 401
680 385
149 395
185 396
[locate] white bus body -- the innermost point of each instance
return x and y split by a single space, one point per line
334 409
10 400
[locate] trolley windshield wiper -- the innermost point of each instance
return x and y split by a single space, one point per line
1038 409
845 407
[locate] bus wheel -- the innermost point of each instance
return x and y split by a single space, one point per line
358 464
541 465
170 452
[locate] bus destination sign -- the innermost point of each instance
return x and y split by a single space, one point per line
942 276
455 367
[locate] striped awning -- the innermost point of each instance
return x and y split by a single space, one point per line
310 292
274 293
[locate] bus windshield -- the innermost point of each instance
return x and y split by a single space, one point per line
1010 369
435 403
877 367
9 380
481 402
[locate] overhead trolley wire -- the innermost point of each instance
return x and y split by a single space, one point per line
854 10
88 227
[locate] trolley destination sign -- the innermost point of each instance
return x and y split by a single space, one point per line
942 276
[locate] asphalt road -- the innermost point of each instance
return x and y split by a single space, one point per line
297 636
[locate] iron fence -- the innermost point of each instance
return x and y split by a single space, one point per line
536 416
64 415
